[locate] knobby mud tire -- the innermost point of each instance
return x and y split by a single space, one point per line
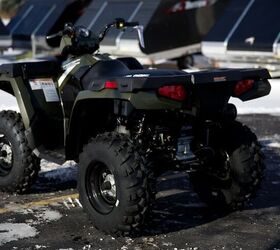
25 165
133 193
246 162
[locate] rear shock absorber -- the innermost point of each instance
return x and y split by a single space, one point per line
184 152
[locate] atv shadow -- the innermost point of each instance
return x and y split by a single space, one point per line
177 207
269 194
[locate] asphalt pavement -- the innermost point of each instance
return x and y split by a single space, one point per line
51 217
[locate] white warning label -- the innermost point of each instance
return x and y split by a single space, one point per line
48 87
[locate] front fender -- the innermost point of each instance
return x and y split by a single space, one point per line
16 87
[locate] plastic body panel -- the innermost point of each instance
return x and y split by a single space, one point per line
41 117
81 89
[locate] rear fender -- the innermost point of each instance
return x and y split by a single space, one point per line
145 100
96 112
89 117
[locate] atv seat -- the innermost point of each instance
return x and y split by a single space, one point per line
130 80
31 69
114 69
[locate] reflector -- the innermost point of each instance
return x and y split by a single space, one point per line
175 92
111 85
243 86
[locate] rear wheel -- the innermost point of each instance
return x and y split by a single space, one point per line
244 161
113 184
19 167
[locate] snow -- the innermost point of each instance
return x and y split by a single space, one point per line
48 216
15 231
8 101
274 145
53 172
270 143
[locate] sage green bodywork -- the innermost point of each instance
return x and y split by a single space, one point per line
19 87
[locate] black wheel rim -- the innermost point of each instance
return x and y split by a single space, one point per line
101 187
6 156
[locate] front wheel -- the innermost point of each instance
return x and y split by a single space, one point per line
19 167
245 163
113 184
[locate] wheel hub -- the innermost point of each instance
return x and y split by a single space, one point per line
108 188
6 156
101 187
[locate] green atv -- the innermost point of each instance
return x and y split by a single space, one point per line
125 125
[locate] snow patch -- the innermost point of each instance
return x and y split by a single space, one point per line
40 247
15 231
14 108
48 216
8 102
274 145
66 172
271 142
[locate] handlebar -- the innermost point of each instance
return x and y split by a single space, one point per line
69 30
119 23
131 24
80 35
58 34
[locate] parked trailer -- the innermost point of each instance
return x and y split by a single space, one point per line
172 28
247 35
38 18
5 41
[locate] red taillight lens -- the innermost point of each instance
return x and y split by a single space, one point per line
176 92
243 86
111 85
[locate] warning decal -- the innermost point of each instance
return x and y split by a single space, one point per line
48 87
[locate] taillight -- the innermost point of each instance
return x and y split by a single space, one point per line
111 85
243 86
174 92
